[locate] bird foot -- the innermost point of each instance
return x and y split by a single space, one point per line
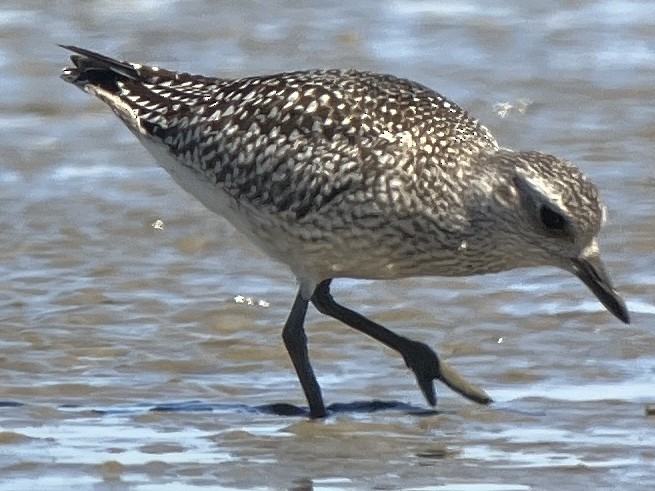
425 364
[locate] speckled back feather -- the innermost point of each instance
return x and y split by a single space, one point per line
258 135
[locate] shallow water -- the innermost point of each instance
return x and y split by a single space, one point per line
144 358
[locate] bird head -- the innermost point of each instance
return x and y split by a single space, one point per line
553 212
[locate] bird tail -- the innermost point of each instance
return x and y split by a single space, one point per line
128 88
95 69
149 100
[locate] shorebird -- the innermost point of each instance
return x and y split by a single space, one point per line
342 173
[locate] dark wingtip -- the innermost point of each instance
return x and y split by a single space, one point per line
90 65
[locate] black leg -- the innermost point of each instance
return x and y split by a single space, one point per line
295 341
419 357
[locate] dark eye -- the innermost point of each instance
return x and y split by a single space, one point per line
551 219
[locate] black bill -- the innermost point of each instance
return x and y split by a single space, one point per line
592 273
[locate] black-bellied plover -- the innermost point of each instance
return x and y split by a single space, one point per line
354 174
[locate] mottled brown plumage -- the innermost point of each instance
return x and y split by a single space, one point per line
354 174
